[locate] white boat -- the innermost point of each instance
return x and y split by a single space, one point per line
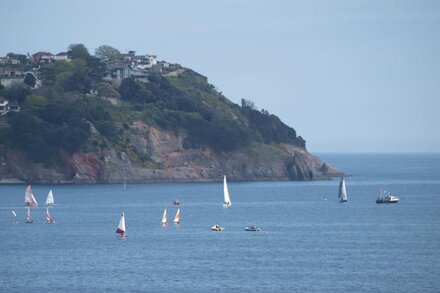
15 216
49 200
177 217
217 228
49 219
121 227
29 199
28 217
252 228
164 219
342 191
227 202
386 197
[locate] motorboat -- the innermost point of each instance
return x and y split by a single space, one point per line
252 228
176 202
387 199
217 228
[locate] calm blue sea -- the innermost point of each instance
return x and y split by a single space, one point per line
310 242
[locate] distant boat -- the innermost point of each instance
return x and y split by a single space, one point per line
49 219
28 217
15 216
227 202
217 228
121 227
49 200
342 191
29 199
177 217
164 219
382 198
252 228
176 202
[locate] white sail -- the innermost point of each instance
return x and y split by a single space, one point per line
177 217
29 199
342 191
227 202
164 217
121 226
49 200
13 213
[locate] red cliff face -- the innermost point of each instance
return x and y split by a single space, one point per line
165 160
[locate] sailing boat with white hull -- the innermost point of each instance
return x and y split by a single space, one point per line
342 191
121 227
227 202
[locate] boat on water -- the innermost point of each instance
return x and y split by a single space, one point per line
164 219
217 228
121 227
342 195
252 228
50 201
176 202
177 218
386 197
15 216
29 199
29 220
227 198
49 219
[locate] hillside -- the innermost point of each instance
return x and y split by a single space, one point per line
113 116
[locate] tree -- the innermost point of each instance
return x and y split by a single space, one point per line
30 80
107 53
17 92
78 51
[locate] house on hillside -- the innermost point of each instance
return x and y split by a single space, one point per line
42 57
62 56
6 106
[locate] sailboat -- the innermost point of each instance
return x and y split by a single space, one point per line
28 217
177 217
29 199
15 216
49 219
164 219
227 202
121 227
342 191
49 200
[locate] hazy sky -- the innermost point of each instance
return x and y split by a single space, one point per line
349 76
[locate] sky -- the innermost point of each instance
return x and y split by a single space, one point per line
349 76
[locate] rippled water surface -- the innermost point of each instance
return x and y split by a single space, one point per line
310 242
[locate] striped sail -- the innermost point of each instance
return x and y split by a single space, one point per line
227 202
48 216
29 199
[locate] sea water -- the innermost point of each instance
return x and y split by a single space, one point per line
310 242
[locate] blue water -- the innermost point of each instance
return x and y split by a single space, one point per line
310 242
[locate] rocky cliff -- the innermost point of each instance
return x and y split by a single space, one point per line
166 160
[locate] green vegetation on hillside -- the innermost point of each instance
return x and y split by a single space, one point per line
72 110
